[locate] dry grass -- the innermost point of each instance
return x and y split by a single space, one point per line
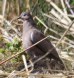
50 18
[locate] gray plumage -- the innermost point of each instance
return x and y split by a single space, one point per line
32 35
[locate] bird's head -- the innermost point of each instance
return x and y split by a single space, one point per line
25 16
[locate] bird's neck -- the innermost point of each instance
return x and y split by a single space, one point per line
28 24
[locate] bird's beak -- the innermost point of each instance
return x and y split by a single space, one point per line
19 17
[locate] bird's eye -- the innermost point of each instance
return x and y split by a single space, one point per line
25 14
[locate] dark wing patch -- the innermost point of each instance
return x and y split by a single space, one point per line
36 36
45 45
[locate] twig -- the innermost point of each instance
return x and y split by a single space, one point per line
34 6
63 6
45 30
23 51
25 64
27 5
36 44
65 33
5 35
41 22
9 24
59 10
45 24
53 48
3 10
32 66
48 27
67 3
56 21
70 44
70 15
59 17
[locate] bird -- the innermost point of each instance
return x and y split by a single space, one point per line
31 34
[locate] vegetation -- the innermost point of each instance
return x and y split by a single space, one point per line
52 17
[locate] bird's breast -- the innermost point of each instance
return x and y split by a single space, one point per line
26 41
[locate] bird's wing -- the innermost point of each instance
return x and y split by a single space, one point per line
36 35
45 45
